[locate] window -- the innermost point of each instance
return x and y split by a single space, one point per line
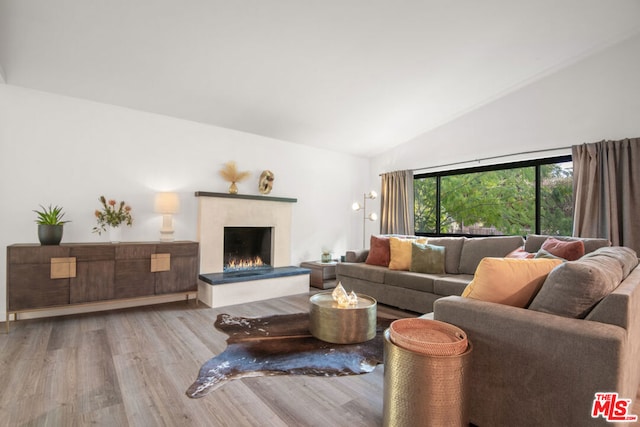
515 198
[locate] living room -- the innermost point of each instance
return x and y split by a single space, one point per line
67 136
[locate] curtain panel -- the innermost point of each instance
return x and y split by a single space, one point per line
606 191
396 202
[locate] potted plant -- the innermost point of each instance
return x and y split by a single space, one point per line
50 225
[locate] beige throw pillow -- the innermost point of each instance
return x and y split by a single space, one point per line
510 281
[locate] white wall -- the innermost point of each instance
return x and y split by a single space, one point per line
66 151
594 99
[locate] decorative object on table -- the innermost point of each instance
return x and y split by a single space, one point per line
112 216
230 174
326 256
342 298
50 225
265 183
282 345
167 203
356 206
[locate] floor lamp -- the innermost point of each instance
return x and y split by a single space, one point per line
371 217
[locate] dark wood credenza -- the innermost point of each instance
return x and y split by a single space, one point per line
47 277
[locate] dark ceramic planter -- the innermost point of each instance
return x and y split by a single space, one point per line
50 234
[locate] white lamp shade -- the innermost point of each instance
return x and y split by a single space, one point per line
167 203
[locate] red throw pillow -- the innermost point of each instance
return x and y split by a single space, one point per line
520 253
570 250
379 252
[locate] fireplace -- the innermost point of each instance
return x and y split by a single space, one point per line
232 226
247 249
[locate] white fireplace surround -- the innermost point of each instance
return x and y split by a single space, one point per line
217 211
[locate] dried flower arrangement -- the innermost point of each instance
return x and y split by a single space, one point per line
231 174
112 216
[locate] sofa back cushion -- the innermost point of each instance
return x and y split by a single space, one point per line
626 257
509 281
452 250
572 289
476 248
534 242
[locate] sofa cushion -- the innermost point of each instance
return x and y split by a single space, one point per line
452 251
520 253
569 250
379 252
534 242
451 284
409 280
360 270
509 281
427 258
401 252
476 248
572 289
626 257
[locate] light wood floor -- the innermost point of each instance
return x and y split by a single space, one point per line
132 367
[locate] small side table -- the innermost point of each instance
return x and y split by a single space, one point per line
321 273
349 325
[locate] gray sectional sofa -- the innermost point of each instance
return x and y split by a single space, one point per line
418 291
541 365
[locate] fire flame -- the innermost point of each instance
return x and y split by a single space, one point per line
245 263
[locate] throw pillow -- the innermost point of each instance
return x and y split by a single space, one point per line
569 250
379 252
509 281
520 253
401 252
544 254
427 258
575 287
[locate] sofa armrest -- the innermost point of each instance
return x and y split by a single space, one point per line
532 367
357 255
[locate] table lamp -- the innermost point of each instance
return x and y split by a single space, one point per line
167 204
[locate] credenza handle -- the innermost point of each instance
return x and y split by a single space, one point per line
63 268
160 262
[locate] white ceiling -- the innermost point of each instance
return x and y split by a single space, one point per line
357 76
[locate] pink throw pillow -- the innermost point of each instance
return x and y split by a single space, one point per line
520 253
379 252
569 250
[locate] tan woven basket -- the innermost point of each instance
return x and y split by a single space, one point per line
430 337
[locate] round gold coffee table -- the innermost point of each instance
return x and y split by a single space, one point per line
349 325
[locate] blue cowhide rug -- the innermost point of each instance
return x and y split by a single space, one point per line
282 345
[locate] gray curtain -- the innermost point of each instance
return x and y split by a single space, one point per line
396 200
606 191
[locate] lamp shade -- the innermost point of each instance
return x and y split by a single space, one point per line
167 203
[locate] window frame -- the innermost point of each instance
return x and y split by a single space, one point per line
537 163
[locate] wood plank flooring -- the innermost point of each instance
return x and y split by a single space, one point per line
131 367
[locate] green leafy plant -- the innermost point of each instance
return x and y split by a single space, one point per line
113 214
50 216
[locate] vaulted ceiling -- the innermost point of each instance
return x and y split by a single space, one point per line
357 76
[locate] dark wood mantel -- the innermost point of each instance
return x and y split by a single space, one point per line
246 196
